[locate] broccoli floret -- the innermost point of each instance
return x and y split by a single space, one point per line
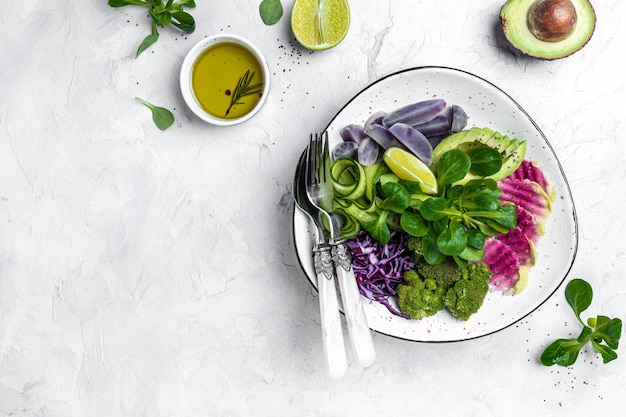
445 273
478 270
414 244
419 298
411 277
468 293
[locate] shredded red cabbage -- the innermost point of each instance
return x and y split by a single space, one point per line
378 269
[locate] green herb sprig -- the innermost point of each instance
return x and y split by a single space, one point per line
162 14
162 117
456 221
603 332
243 89
460 217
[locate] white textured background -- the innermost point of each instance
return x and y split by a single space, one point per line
149 273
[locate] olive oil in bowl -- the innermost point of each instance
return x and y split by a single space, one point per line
224 80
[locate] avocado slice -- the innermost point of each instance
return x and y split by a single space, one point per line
513 151
548 29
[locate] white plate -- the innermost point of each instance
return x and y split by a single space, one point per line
486 106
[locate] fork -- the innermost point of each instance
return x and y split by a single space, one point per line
320 193
332 332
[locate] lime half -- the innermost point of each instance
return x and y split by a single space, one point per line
409 167
320 24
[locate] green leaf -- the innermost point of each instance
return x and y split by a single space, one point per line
505 216
271 11
461 262
486 229
413 224
453 166
148 40
608 330
472 254
485 161
430 250
162 117
453 240
585 334
188 3
607 353
475 239
413 187
578 294
378 229
455 192
161 18
397 200
480 195
433 209
183 21
122 3
562 352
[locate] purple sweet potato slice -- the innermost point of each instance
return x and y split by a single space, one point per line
381 135
352 133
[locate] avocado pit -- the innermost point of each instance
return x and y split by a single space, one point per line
552 20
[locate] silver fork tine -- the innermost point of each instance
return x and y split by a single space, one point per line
321 168
308 162
311 170
325 156
316 161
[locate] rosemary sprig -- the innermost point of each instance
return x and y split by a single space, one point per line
244 89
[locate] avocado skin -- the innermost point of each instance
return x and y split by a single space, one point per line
513 20
513 151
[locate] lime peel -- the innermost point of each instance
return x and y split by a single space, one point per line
409 167
320 24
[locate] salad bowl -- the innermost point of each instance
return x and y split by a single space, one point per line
487 106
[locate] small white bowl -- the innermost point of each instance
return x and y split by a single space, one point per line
187 67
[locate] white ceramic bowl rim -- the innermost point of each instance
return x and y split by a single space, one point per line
187 66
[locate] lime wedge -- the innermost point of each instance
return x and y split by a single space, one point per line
409 167
320 24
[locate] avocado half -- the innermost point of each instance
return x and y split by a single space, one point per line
548 29
512 150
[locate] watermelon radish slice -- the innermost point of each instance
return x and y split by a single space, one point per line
526 194
521 245
503 263
530 171
527 224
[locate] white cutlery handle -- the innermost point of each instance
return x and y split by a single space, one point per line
359 330
332 332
